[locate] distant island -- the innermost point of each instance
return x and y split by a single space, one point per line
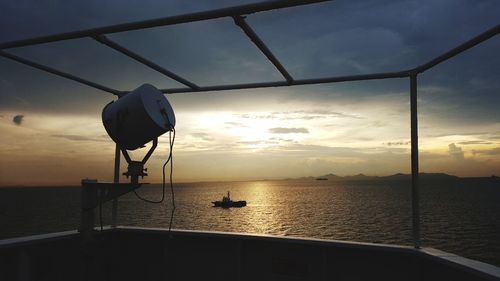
435 177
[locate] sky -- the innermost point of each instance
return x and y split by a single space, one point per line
51 131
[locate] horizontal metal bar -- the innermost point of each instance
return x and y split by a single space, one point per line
226 87
24 241
191 17
108 42
362 77
59 73
459 49
240 21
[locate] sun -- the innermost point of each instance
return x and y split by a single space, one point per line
246 131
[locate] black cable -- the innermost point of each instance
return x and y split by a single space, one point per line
171 186
171 141
171 160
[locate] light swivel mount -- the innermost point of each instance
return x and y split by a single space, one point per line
136 168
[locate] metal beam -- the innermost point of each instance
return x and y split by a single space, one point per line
459 49
337 79
414 161
59 73
116 179
110 43
172 20
240 21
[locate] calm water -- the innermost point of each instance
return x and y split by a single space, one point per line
459 218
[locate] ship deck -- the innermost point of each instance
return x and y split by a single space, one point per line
133 253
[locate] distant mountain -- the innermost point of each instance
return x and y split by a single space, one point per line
328 177
395 177
360 177
437 176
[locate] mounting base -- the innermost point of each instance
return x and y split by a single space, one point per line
95 193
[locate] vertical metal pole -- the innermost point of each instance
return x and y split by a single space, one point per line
114 208
414 160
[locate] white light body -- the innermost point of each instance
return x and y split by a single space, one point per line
138 117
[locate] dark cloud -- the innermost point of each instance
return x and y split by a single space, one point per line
484 135
455 151
376 35
315 114
336 38
257 116
300 115
257 142
493 136
397 143
18 119
474 142
202 136
493 151
328 113
378 124
289 130
81 138
281 139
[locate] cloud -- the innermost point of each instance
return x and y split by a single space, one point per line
281 139
443 135
202 136
378 124
493 151
328 113
455 151
79 138
493 136
18 119
310 115
257 142
236 124
474 142
279 130
256 116
395 143
299 115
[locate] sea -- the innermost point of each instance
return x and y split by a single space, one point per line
461 217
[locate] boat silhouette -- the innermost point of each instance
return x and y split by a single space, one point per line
226 202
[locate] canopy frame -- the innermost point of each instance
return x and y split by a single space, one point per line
238 14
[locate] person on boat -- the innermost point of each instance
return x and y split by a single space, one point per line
226 199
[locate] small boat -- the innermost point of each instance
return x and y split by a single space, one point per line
228 203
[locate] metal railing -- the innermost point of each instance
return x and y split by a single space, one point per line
238 14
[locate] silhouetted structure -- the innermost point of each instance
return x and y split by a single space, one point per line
226 202
136 253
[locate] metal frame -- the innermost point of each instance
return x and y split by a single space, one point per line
238 13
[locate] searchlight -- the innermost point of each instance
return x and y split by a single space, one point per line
135 119
132 121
